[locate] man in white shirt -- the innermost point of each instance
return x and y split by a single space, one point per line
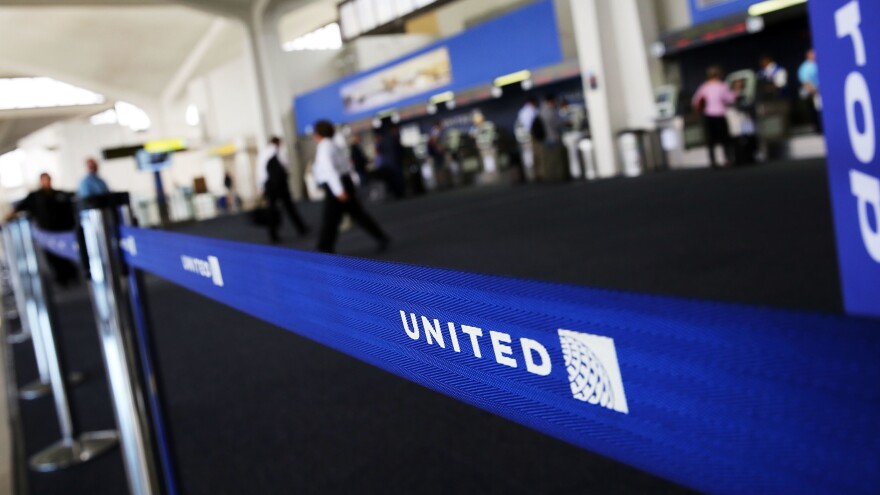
773 75
525 120
527 114
332 171
273 177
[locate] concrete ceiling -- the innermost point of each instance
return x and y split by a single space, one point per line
18 124
122 50
219 7
134 50
307 18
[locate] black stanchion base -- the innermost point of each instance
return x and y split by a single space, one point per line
37 389
67 453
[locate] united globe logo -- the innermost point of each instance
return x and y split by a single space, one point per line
593 370
590 360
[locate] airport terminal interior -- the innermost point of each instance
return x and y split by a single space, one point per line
438 246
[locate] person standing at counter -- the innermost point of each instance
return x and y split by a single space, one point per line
389 153
773 78
808 74
525 120
552 165
92 184
712 100
333 172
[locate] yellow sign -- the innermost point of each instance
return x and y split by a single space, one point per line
225 150
165 145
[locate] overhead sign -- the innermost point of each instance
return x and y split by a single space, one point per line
847 38
415 76
708 10
359 17
477 57
165 145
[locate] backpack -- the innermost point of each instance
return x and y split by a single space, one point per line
538 130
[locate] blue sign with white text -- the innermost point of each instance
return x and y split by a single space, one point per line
708 10
477 56
847 38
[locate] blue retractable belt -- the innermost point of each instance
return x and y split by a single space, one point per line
718 397
62 244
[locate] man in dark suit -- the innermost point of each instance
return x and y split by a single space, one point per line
52 211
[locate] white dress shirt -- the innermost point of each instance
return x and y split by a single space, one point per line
330 165
263 163
527 116
778 75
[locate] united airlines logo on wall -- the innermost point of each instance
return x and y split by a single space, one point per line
591 362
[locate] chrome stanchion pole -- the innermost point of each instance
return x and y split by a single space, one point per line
24 333
73 448
102 255
27 308
28 272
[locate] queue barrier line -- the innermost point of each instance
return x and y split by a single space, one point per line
61 244
718 397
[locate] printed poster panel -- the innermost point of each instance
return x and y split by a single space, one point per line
421 74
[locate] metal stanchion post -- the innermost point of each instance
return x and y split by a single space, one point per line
12 267
100 247
27 270
27 308
72 449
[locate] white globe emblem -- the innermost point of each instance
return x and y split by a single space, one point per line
593 370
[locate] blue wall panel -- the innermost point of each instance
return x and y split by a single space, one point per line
524 39
707 10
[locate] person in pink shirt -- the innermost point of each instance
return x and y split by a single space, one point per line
712 100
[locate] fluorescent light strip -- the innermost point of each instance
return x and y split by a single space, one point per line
769 6
516 77
442 97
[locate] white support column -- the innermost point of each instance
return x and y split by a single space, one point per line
613 50
272 80
256 61
197 55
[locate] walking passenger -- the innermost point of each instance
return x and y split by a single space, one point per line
712 100
273 176
333 172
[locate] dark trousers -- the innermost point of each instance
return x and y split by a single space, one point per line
64 271
394 181
815 115
282 196
334 211
718 132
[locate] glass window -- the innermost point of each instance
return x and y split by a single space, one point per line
328 37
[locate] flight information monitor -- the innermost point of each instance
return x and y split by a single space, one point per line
152 162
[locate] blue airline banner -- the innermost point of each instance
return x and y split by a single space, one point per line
721 398
709 10
62 244
527 38
847 38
